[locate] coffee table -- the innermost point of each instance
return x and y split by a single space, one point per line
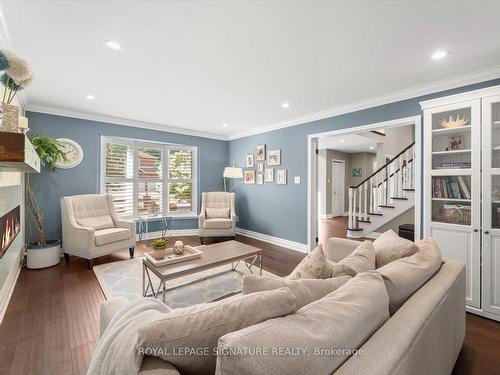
213 256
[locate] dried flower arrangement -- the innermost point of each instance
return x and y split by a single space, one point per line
17 75
454 123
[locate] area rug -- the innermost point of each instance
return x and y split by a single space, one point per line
124 278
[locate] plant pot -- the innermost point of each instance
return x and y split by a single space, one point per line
42 256
159 252
9 118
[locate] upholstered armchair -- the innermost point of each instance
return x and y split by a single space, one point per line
90 227
217 216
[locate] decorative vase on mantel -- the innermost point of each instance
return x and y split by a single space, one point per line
9 118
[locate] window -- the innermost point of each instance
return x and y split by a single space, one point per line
148 179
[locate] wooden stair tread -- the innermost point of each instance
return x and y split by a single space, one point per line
363 221
355 229
375 214
408 189
385 206
400 198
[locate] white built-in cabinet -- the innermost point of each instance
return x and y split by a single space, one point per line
462 189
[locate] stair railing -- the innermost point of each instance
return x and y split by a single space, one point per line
376 191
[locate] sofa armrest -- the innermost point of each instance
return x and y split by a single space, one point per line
157 366
201 219
338 248
109 309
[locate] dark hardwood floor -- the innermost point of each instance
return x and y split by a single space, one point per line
52 322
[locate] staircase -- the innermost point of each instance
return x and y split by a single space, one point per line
383 196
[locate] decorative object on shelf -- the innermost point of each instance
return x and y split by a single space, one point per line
249 160
274 157
232 173
260 167
269 175
153 208
159 247
179 247
250 177
17 76
281 177
456 142
260 152
459 164
260 179
454 214
454 122
73 152
23 124
356 172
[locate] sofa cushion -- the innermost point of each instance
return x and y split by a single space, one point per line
305 290
217 223
200 326
105 236
343 320
389 246
405 276
313 266
362 259
213 213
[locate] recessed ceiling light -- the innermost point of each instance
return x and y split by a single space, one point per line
113 45
371 147
341 141
90 97
285 105
224 125
439 54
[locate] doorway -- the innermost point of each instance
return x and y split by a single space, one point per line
338 187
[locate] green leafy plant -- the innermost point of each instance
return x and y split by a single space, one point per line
160 243
49 151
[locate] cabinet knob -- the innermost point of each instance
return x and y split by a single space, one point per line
486 232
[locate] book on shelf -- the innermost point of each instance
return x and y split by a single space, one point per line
453 187
461 164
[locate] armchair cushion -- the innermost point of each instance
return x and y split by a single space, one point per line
214 213
97 222
218 223
92 211
109 235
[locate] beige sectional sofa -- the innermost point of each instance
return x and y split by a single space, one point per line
424 335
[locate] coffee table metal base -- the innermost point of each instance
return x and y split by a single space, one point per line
148 289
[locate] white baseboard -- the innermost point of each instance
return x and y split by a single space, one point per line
9 284
326 216
175 233
297 246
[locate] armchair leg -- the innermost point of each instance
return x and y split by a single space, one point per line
201 240
90 263
131 251
66 257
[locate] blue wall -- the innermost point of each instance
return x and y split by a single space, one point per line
49 186
281 210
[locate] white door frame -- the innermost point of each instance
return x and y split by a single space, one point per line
343 185
312 144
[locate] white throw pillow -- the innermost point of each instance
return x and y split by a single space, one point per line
305 290
389 247
313 266
217 213
405 276
362 259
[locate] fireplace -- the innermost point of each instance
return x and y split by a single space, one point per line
10 226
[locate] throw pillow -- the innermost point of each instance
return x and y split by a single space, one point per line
389 247
304 290
313 266
405 276
362 259
180 335
343 319
217 213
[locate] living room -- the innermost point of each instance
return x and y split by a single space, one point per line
163 173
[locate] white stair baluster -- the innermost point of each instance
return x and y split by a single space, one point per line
349 223
360 202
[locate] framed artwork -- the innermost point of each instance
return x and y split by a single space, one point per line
274 157
260 167
356 172
260 179
249 160
281 177
269 175
250 177
260 152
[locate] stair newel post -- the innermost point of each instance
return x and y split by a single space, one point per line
401 176
366 201
386 192
412 180
360 203
372 195
351 198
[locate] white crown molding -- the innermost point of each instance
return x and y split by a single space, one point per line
121 121
297 246
443 85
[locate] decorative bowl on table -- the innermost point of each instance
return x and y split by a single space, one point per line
179 248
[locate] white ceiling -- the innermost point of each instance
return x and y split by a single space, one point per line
197 65
351 143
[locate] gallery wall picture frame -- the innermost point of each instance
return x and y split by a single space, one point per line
249 160
260 167
260 152
357 172
250 177
269 175
260 179
274 157
281 177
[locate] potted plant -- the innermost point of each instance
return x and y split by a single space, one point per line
159 247
44 252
